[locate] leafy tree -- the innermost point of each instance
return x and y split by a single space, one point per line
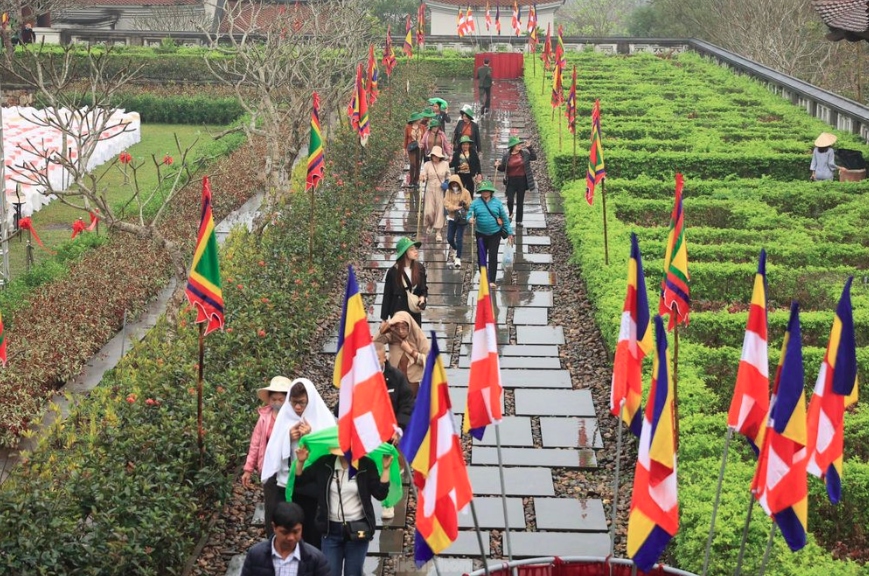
596 17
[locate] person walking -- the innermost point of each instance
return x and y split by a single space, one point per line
492 224
456 202
413 132
439 107
303 412
433 138
466 163
407 276
823 158
345 513
408 346
467 127
433 179
285 552
516 165
484 79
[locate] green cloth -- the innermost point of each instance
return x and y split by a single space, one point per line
319 444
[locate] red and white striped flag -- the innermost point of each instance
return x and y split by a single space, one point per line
488 17
517 19
470 27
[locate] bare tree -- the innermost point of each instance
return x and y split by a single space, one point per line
181 18
597 17
276 57
78 88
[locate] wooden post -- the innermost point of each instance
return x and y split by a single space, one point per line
199 427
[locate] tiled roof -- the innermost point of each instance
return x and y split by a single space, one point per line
262 16
132 3
481 4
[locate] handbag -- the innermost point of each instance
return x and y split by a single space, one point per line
354 530
445 184
413 301
504 234
413 146
461 217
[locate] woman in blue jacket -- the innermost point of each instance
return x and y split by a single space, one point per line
491 222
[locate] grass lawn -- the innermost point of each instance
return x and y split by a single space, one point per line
54 222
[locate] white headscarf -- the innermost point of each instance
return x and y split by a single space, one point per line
280 448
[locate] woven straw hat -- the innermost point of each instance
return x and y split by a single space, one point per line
825 140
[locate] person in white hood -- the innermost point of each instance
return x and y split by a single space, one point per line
303 412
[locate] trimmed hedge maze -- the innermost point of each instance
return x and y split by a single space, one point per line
745 154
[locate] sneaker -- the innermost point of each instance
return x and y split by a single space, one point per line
388 513
458 262
439 238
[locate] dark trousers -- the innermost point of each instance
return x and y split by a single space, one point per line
455 236
485 99
516 188
415 164
272 494
468 182
491 244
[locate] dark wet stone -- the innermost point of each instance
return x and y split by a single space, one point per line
502 333
515 431
570 433
459 397
553 458
517 481
532 544
539 335
531 316
515 297
570 514
554 204
554 403
531 363
490 513
535 278
387 542
467 545
400 512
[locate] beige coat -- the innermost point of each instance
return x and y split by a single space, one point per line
418 341
452 199
433 215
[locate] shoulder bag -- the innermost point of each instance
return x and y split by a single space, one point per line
413 301
504 233
354 530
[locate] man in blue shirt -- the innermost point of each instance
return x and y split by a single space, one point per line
285 554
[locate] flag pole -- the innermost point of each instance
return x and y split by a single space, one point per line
727 439
413 490
606 248
617 482
509 546
479 537
560 122
768 549
200 429
744 535
311 229
674 311
420 194
574 148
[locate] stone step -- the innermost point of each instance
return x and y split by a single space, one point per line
522 481
530 544
570 514
549 457
554 403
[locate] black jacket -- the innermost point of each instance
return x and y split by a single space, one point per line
395 293
473 161
322 473
400 394
527 156
475 135
258 561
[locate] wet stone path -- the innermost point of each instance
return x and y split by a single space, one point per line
550 426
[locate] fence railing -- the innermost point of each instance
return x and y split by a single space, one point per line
573 566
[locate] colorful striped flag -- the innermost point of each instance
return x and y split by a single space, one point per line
596 169
835 390
3 343
389 60
359 108
365 416
571 104
315 148
432 448
557 89
408 40
420 25
516 20
546 55
654 518
371 89
469 21
498 19
484 383
635 342
460 23
675 288
532 41
203 285
780 484
488 16
750 404
560 58
532 18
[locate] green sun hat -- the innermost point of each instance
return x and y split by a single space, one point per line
428 114
486 186
513 141
434 123
464 139
440 102
416 116
403 246
468 111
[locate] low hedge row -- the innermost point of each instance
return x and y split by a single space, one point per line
162 109
128 490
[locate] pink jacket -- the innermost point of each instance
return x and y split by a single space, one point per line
256 453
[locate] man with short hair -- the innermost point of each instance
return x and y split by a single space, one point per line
285 554
484 76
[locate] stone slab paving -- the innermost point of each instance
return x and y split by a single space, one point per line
570 433
513 297
490 513
522 481
552 457
539 335
514 431
554 403
531 316
569 514
532 544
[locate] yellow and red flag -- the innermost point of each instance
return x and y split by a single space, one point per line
488 16
371 89
546 55
516 21
203 284
365 416
388 53
2 342
557 88
570 110
460 23
596 171
315 147
470 26
420 25
675 289
560 58
408 39
835 390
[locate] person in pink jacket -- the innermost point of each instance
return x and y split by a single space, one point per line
273 396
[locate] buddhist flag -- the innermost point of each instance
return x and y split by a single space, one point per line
674 286
488 16
498 19
654 518
388 53
432 448
469 22
780 484
596 170
532 41
408 40
516 21
750 405
557 88
420 25
560 58
203 285
359 107
371 89
3 343
571 104
546 55
835 390
460 23
315 148
532 19
635 342
484 383
365 416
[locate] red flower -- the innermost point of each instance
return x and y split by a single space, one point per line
131 398
167 160
261 333
125 158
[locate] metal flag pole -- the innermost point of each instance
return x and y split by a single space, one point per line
413 491
509 546
674 311
606 248
768 549
200 429
479 538
617 482
717 499
744 535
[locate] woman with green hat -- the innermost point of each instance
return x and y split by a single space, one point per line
407 275
413 132
466 163
434 136
467 127
516 165
492 224
439 107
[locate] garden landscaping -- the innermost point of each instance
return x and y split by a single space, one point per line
744 153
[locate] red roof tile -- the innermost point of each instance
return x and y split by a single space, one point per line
263 16
114 3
